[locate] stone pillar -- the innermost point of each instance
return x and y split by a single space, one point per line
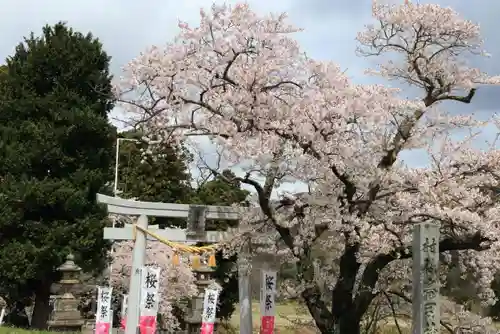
426 313
204 279
66 317
244 288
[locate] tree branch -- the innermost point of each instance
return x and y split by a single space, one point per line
374 267
408 300
463 99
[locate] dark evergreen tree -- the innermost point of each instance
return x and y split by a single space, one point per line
154 172
56 150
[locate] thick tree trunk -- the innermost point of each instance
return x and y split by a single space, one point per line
318 310
326 322
348 324
41 310
346 312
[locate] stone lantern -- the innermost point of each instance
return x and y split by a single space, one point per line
204 280
66 317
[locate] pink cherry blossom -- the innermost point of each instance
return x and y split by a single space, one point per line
242 81
177 281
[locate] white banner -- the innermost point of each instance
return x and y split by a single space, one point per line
103 315
124 306
2 314
210 306
150 298
268 293
123 313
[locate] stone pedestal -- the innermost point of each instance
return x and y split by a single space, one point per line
88 326
66 317
204 278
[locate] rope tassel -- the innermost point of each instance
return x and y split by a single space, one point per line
195 261
175 259
211 261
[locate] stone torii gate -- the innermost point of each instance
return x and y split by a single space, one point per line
196 215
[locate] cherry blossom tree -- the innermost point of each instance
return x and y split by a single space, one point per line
177 281
242 81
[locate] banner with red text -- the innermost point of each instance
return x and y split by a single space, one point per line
209 310
103 314
150 299
267 298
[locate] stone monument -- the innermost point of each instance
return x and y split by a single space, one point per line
426 313
66 317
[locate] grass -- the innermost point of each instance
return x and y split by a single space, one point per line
286 316
284 312
231 330
9 330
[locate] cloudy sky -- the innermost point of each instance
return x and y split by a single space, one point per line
126 27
